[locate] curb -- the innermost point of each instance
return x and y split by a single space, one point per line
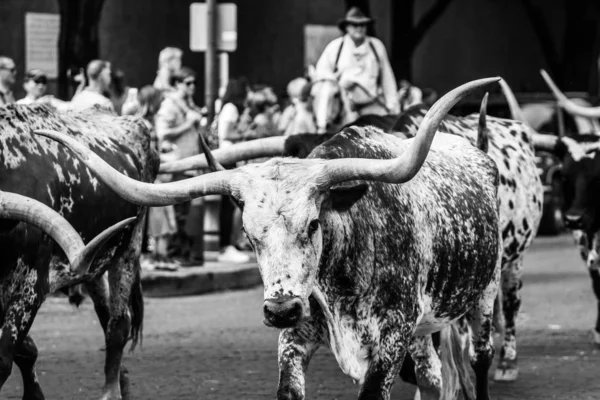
212 277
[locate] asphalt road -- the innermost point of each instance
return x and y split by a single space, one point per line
216 347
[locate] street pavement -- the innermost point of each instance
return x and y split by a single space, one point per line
215 346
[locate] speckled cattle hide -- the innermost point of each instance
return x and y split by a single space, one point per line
403 260
33 265
520 197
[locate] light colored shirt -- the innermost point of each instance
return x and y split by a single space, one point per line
296 118
226 121
363 66
87 99
172 113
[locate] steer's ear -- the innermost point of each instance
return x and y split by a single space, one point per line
344 197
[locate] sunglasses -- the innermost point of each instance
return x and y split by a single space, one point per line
42 81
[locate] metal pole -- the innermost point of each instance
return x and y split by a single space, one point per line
210 61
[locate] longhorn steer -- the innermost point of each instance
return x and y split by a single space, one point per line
520 194
581 177
42 170
369 269
520 197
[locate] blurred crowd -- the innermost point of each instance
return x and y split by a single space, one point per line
355 62
175 234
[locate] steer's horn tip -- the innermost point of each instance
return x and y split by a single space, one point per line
85 259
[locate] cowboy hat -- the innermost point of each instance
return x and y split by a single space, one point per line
356 17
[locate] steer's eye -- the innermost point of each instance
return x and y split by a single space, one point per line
313 226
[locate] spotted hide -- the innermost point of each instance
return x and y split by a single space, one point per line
368 269
368 246
520 196
401 263
43 170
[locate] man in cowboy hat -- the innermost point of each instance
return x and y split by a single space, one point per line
361 66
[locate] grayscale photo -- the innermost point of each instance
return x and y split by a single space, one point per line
299 199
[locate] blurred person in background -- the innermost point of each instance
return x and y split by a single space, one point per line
118 91
99 78
8 77
228 118
161 222
261 114
361 66
177 124
36 85
169 63
230 216
297 117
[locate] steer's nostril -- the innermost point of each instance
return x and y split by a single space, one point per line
282 314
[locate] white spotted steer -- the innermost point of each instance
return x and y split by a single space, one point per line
353 260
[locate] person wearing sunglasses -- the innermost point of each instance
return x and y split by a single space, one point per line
177 125
36 85
8 74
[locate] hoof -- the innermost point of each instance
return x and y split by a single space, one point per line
506 374
596 337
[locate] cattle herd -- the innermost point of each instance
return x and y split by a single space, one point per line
397 242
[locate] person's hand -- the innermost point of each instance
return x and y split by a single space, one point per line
193 116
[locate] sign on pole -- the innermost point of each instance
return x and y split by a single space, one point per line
41 42
226 27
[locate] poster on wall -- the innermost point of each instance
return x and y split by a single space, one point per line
41 42
316 38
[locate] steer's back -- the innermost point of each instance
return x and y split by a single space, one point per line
520 192
435 236
42 169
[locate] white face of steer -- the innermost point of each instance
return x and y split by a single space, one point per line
282 213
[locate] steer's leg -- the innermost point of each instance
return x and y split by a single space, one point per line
595 275
382 372
122 279
591 254
296 347
428 367
24 290
482 343
25 359
511 303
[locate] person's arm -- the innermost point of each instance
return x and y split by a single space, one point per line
165 123
326 64
388 81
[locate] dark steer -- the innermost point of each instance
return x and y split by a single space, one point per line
354 260
581 173
40 169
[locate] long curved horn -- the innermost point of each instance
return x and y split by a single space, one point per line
540 141
25 209
406 166
513 104
482 132
143 193
265 147
570 106
212 163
